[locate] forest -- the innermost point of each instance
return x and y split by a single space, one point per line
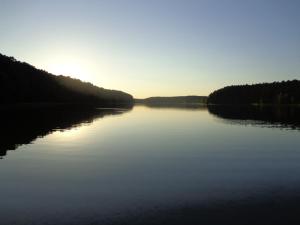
276 93
177 100
21 82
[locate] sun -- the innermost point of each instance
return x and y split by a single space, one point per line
71 69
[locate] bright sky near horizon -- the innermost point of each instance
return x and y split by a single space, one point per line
156 47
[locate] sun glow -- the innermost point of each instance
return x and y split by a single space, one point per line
74 70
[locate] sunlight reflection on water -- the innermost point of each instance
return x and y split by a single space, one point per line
148 158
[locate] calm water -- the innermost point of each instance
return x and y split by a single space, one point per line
106 166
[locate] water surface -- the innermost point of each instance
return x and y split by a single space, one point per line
112 166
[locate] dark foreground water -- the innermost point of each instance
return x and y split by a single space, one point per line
150 166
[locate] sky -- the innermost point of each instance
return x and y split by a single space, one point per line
156 47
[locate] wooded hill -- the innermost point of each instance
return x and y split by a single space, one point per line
277 93
178 100
21 82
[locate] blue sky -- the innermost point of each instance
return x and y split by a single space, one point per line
156 47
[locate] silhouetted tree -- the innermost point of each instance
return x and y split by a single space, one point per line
279 93
177 100
21 82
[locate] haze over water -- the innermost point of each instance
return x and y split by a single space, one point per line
118 166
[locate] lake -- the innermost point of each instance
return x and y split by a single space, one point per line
150 165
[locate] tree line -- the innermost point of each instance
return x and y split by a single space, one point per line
22 82
276 93
177 100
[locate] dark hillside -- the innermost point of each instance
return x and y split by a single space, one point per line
23 83
279 93
178 100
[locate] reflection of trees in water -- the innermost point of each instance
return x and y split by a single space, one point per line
22 126
281 117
